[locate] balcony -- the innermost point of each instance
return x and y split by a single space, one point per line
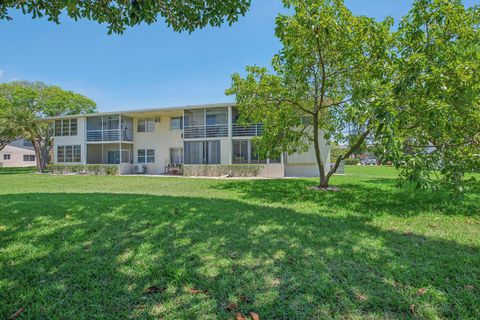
112 128
247 131
108 135
207 131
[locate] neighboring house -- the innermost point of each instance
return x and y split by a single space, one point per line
18 153
160 138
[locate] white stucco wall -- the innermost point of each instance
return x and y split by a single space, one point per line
305 164
78 139
161 141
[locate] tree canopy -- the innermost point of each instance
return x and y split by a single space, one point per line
332 72
437 84
23 104
181 15
414 93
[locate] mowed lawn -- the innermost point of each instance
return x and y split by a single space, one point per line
83 247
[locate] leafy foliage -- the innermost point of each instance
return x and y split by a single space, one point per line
333 67
23 104
438 90
119 14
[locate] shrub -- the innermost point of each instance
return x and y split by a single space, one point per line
91 169
351 161
240 170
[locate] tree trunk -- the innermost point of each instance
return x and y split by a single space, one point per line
324 179
38 156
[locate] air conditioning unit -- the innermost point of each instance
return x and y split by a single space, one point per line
139 169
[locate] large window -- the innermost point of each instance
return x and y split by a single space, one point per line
244 152
202 152
146 125
6 157
69 153
176 155
176 123
66 127
28 157
145 155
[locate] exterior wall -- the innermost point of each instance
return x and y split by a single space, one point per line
273 170
305 164
161 141
16 157
79 139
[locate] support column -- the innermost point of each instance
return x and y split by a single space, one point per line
230 144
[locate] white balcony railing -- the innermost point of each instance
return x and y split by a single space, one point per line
208 131
247 131
107 135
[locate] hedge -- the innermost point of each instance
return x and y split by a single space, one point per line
239 170
90 169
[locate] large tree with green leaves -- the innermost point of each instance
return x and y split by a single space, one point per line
23 105
333 72
438 93
118 14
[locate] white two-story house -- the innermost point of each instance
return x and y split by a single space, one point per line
165 137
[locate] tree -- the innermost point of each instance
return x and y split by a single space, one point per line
24 104
334 69
7 133
438 93
118 14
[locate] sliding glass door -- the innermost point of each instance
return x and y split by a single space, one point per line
202 152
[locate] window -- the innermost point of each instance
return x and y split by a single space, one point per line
145 156
244 152
66 127
216 116
6 156
202 152
77 154
28 157
176 123
69 153
176 155
146 125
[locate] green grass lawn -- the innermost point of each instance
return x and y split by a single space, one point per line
84 247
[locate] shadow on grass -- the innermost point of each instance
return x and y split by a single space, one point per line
87 256
371 197
17 170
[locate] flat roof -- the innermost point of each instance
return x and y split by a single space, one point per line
140 111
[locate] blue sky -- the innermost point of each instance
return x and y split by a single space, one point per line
150 66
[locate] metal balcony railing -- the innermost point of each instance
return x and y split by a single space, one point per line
107 135
247 131
208 131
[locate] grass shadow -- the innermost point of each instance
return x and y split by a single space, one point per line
93 255
371 197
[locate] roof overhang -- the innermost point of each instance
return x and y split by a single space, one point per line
140 112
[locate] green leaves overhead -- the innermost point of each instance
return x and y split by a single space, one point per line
438 89
333 67
181 15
